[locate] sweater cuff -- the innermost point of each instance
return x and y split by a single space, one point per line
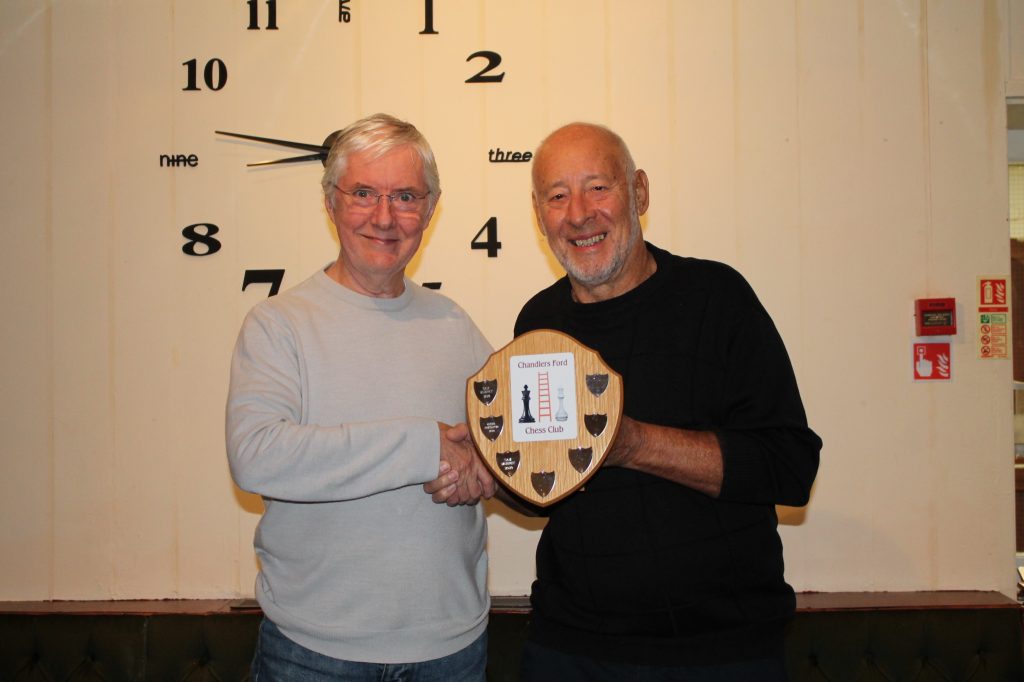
744 474
425 441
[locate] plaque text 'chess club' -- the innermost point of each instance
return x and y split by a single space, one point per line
543 412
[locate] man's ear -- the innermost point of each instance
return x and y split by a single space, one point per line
328 208
536 214
643 192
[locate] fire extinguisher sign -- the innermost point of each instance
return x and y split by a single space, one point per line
993 317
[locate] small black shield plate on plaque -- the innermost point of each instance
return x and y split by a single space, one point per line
508 462
595 423
543 482
597 383
486 390
492 426
580 458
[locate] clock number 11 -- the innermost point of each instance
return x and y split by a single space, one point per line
254 15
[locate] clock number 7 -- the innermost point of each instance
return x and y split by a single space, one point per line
271 277
491 245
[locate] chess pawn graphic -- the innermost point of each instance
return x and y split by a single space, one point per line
561 415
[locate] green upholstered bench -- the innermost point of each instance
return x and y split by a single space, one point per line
837 636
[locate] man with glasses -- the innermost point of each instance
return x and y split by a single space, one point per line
342 392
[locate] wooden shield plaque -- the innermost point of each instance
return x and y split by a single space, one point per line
543 412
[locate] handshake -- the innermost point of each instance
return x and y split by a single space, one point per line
462 478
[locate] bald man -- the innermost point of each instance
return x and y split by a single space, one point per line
669 564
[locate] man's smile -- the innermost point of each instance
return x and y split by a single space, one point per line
589 241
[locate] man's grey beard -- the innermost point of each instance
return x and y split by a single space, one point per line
591 279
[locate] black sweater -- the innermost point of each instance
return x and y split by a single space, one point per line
636 567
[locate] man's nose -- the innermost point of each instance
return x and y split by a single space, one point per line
578 211
383 215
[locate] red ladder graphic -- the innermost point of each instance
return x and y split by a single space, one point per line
543 397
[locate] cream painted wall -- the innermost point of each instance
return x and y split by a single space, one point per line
847 157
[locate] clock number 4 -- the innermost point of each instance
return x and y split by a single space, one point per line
215 74
491 244
254 15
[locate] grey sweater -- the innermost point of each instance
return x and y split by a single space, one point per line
332 417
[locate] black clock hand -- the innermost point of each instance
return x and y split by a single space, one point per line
320 149
283 143
321 157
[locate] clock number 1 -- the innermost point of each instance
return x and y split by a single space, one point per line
254 15
491 245
271 277
428 18
215 74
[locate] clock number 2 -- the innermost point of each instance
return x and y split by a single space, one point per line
271 277
491 245
254 15
481 76
205 238
215 74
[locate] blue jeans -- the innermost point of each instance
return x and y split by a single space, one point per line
541 664
279 659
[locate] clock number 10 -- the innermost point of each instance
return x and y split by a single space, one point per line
215 74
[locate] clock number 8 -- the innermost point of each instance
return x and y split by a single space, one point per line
215 74
206 239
